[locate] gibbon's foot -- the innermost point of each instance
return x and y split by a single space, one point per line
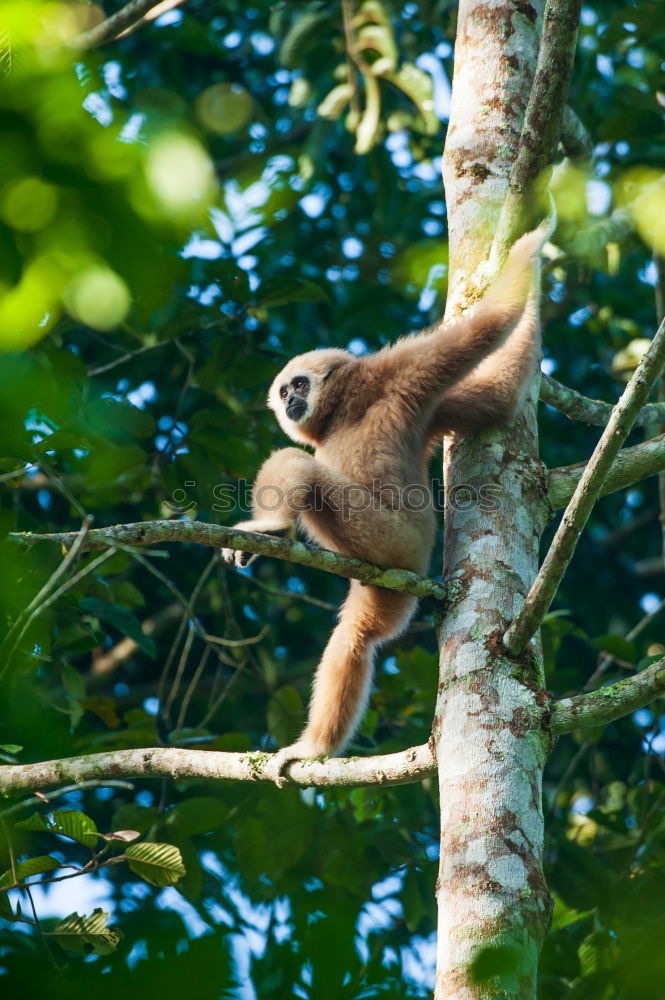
234 557
302 750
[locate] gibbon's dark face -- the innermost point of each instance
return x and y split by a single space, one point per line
294 396
300 391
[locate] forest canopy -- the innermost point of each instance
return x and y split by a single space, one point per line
184 207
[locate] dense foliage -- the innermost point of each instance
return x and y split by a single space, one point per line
180 211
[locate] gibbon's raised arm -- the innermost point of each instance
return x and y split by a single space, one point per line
428 363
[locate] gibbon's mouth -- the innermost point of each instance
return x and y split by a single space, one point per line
296 408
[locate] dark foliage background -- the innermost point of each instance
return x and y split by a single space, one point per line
176 220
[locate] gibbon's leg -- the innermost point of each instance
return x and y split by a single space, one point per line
369 617
493 393
289 485
283 482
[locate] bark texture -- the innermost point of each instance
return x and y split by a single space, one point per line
491 717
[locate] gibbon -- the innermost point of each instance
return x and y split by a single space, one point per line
371 421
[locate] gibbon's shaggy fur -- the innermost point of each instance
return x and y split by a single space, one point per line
372 421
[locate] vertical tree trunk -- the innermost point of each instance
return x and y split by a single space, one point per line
491 714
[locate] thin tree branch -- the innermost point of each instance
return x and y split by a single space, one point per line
401 768
125 19
606 661
630 466
597 708
217 536
542 121
591 411
575 139
586 493
660 316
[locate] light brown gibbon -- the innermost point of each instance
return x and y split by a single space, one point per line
372 421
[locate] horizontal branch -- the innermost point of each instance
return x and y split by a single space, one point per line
631 465
217 536
592 411
597 708
538 600
401 768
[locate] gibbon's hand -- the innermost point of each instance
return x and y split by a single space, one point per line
264 526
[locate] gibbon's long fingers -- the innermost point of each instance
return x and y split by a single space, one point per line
368 617
262 526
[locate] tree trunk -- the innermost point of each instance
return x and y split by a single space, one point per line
491 716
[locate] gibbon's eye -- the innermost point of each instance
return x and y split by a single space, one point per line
300 383
283 392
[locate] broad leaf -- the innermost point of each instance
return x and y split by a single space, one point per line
78 934
159 864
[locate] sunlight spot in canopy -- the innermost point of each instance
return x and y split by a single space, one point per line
204 249
650 603
598 197
357 346
169 17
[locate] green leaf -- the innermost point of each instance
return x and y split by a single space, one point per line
304 33
197 815
285 711
76 933
132 816
159 864
33 866
616 645
66 822
279 291
122 619
12 748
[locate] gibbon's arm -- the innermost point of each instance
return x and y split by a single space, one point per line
428 363
493 392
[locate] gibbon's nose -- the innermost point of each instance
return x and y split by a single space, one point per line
295 407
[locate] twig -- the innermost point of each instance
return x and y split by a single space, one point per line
89 568
120 22
102 369
588 489
607 661
591 411
575 139
660 315
65 790
37 601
